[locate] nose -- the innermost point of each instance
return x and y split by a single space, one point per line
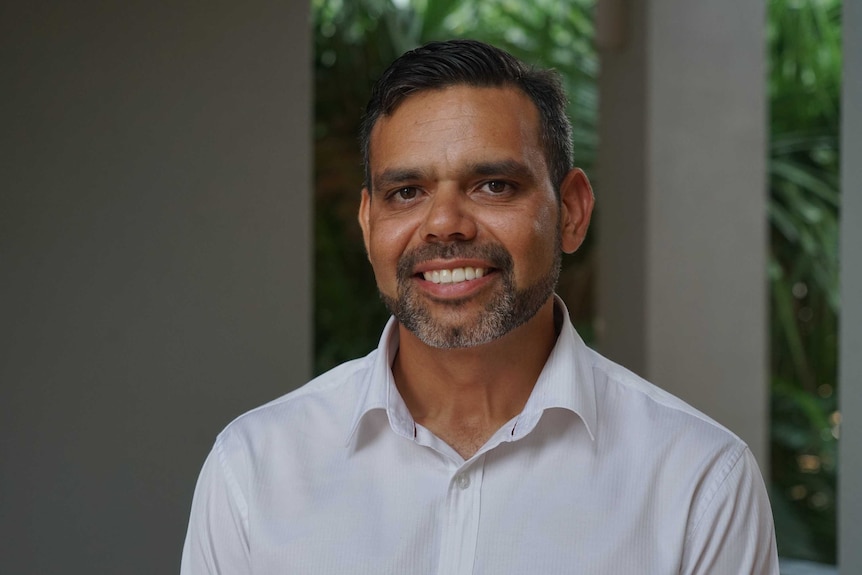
448 217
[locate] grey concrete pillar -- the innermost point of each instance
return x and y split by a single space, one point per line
681 196
850 355
155 193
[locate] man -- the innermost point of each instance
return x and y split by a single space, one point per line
482 436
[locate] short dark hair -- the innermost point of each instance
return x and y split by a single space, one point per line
439 65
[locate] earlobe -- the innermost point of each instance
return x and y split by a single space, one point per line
364 217
576 209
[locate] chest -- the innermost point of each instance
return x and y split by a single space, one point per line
503 512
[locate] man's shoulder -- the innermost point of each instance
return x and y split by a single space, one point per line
681 449
323 407
651 410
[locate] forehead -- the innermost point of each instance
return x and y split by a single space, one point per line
458 123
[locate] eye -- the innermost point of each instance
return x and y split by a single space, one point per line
403 194
407 193
497 187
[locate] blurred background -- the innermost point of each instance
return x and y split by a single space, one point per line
178 240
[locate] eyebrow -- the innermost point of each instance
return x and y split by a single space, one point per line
395 176
503 168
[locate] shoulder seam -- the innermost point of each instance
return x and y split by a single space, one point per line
230 479
724 473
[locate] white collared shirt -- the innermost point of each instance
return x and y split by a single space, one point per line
602 473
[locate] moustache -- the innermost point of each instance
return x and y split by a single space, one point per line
495 254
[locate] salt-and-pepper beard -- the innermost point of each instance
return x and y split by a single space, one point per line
508 308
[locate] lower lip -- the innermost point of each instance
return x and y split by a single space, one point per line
455 290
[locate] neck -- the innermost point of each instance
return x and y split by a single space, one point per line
464 395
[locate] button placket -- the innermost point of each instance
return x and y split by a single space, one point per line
461 528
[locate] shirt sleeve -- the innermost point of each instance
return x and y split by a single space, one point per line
735 533
217 537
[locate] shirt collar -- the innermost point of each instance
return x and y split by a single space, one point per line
565 382
380 391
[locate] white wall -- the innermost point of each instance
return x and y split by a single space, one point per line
681 198
154 261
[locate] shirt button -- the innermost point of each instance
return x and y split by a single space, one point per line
462 481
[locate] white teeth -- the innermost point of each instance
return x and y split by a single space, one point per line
453 276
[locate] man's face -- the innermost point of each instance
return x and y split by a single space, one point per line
461 223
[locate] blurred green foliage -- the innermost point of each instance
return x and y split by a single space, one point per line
804 94
356 39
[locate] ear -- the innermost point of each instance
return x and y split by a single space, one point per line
364 218
576 208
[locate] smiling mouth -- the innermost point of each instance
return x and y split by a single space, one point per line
455 275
